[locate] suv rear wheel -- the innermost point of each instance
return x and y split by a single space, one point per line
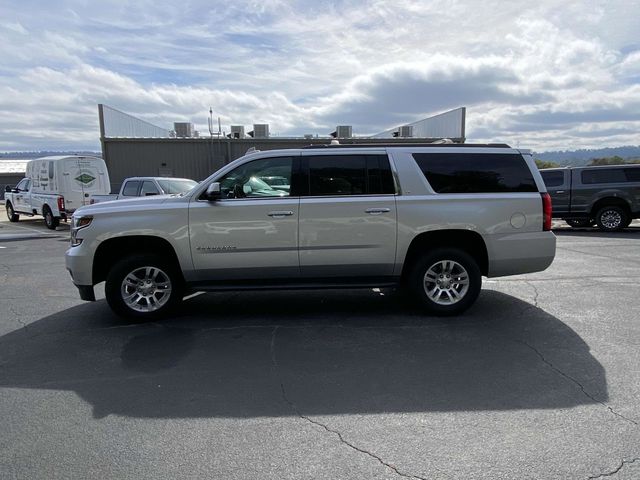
610 219
446 281
143 287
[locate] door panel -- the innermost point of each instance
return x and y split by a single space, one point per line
244 239
351 236
251 233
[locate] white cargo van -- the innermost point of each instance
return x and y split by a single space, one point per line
56 186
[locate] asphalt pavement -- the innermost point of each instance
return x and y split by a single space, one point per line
539 379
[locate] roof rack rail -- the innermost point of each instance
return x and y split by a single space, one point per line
409 144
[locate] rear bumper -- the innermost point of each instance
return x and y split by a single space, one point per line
514 254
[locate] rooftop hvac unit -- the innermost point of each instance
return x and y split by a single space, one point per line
308 136
183 129
237 131
260 130
405 131
344 131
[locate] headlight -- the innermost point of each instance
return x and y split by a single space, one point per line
81 222
77 223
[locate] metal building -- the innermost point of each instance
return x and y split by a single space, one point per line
148 150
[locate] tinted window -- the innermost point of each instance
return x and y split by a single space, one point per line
553 179
337 175
350 175
632 174
267 177
131 188
603 175
379 177
476 172
149 188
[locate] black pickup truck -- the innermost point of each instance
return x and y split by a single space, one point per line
607 196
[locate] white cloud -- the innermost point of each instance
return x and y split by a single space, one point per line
554 74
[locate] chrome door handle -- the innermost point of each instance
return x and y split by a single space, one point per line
280 214
559 191
377 211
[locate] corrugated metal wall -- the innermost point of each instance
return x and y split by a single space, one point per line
195 158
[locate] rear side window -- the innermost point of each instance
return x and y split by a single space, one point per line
131 188
553 179
603 175
350 175
476 172
149 188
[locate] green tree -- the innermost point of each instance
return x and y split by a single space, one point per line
616 160
542 164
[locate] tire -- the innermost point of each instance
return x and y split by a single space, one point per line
11 213
433 268
611 219
49 220
578 223
158 289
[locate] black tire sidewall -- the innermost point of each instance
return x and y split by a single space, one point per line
422 265
602 211
13 216
125 266
48 214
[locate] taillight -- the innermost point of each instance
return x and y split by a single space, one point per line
61 204
546 211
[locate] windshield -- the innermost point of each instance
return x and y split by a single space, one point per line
172 186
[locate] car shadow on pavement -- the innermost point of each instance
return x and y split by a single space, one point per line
311 353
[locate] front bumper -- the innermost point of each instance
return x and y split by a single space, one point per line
79 265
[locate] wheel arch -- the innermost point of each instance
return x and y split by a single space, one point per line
111 251
610 202
466 240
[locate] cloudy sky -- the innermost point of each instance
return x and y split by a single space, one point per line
544 75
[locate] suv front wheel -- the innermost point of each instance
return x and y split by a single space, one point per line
143 287
446 281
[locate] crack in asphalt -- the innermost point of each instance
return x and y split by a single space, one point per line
576 382
616 470
294 408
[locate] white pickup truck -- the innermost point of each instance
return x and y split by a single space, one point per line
55 187
147 186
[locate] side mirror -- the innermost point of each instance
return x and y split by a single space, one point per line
213 191
8 189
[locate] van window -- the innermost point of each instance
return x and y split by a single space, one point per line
553 179
131 188
476 172
603 175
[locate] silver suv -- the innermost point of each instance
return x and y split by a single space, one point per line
432 218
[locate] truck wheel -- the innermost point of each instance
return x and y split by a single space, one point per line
143 287
446 281
11 213
49 220
610 219
578 223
